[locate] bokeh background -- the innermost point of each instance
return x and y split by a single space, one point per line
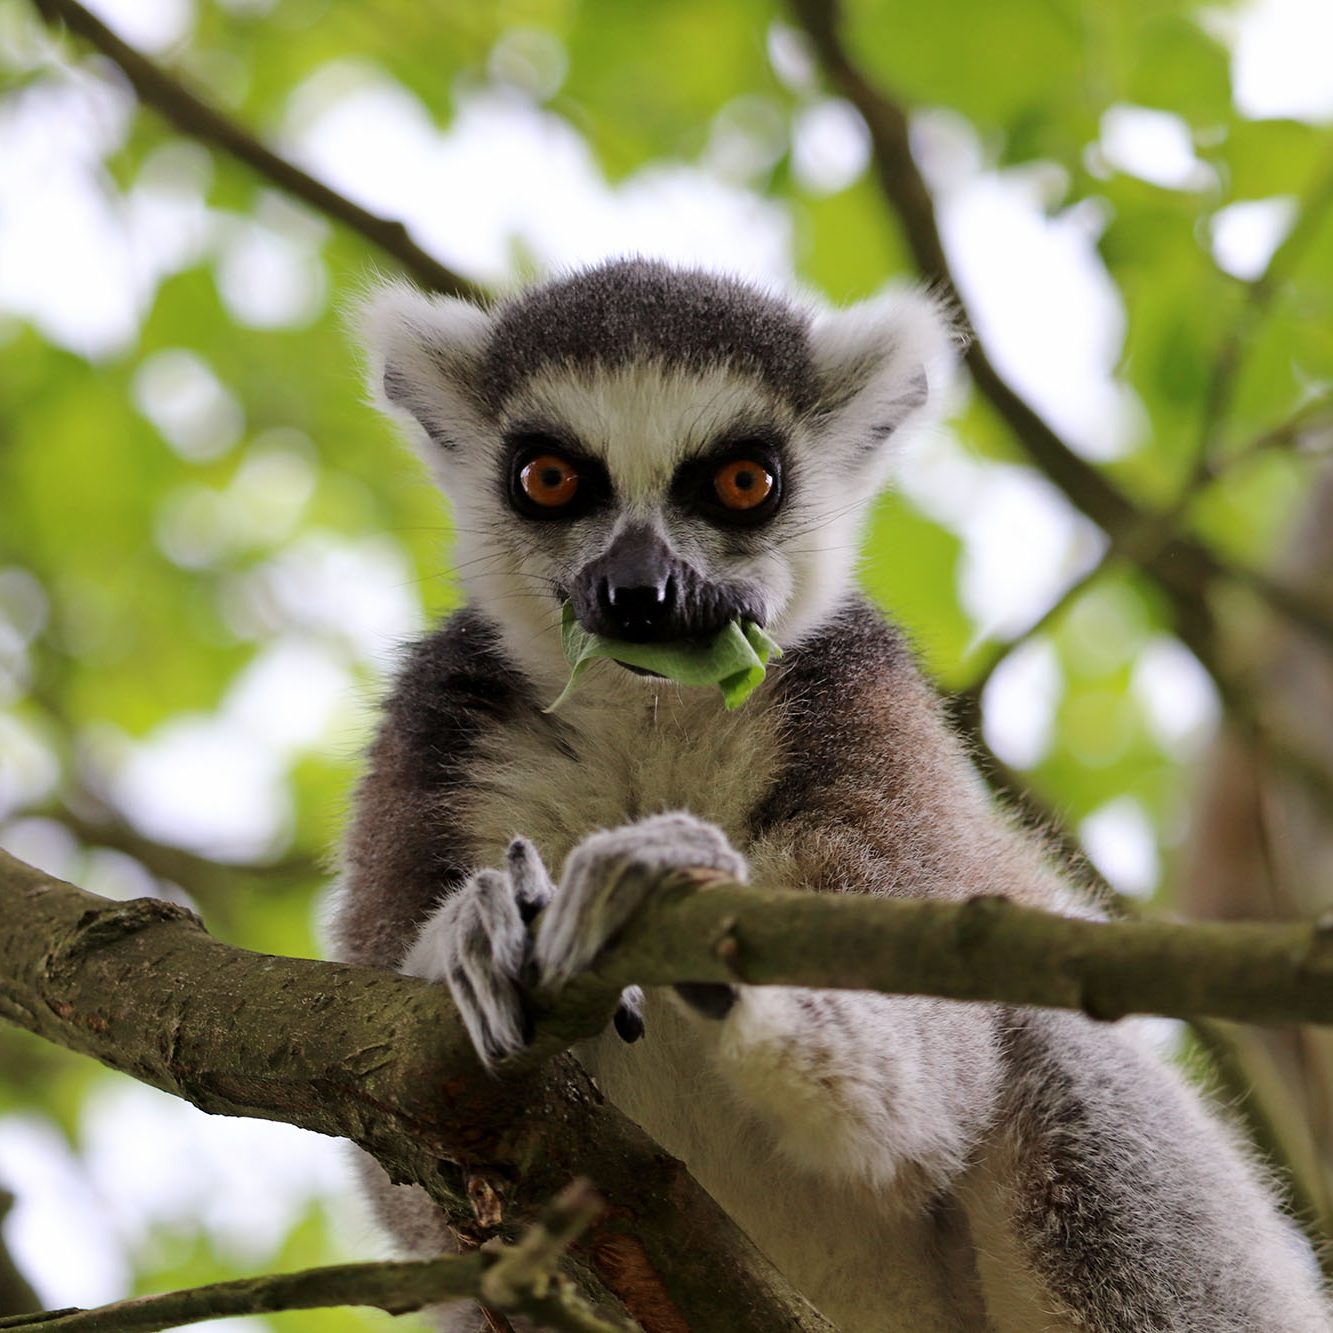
211 549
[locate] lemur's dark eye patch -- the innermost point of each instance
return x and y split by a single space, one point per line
551 479
736 485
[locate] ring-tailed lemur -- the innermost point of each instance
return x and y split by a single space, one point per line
667 450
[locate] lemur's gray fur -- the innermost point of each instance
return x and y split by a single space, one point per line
912 1164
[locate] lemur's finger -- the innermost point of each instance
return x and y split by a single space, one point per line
607 877
532 885
490 940
498 935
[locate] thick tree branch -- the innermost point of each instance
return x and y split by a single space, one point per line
194 117
384 1061
515 1279
698 928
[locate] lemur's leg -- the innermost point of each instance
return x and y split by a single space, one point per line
850 1083
1130 1207
476 941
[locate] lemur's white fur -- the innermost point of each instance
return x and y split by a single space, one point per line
853 1135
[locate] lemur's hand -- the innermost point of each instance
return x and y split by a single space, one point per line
607 878
477 943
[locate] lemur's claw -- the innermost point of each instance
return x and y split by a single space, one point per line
532 885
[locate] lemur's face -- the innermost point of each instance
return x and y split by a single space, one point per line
661 502
666 451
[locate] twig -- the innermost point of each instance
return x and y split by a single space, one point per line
520 1279
969 698
1261 292
395 1287
523 1279
218 888
194 117
1314 417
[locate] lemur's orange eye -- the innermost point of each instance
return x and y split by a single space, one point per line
549 480
742 483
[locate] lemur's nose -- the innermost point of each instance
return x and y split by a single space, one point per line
638 611
633 590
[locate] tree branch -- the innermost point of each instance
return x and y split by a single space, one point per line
982 948
191 116
905 189
968 699
515 1279
383 1060
1309 429
214 886
698 928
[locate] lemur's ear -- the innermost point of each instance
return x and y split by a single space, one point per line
880 364
424 355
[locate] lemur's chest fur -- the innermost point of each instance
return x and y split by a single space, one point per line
616 760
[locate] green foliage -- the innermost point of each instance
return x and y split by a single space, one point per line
162 567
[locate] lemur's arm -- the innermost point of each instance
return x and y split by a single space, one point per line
884 1090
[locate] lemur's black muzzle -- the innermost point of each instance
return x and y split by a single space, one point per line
639 590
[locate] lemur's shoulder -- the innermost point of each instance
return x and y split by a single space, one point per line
857 714
453 681
408 842
875 788
853 654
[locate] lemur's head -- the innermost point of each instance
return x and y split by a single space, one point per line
665 448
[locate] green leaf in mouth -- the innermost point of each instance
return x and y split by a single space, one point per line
735 659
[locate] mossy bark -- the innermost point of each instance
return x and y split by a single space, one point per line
383 1060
